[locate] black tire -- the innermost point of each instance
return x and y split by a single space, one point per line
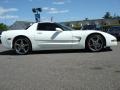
22 45
95 43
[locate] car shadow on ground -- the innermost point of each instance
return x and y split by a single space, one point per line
12 52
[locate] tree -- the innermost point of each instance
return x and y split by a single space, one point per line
116 16
107 15
86 19
3 26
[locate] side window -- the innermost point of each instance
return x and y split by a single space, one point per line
46 27
41 26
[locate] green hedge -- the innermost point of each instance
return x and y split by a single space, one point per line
3 26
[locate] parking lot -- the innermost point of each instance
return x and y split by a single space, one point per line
60 70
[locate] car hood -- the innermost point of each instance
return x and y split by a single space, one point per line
88 32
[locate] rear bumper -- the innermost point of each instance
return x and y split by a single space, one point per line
6 43
0 38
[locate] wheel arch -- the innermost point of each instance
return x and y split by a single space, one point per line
19 37
94 34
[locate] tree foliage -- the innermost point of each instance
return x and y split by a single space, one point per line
107 15
3 26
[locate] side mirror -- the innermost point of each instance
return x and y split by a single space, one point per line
59 29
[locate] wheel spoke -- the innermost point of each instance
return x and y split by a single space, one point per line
19 49
97 40
23 49
96 47
90 43
26 45
17 44
21 42
92 39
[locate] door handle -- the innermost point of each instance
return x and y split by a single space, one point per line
39 33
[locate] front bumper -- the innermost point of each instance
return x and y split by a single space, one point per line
112 41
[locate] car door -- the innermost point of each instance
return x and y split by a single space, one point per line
48 38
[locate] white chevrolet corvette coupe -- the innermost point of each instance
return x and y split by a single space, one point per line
54 36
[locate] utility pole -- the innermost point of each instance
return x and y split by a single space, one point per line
51 19
36 12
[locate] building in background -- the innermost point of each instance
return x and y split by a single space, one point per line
18 25
74 24
93 22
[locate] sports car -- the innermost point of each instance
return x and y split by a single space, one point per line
55 36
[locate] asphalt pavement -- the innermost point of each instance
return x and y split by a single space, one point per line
60 70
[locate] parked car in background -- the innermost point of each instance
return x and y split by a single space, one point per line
90 27
115 31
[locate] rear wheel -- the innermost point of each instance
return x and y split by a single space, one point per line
95 43
22 45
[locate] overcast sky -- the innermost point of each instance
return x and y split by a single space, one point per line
60 10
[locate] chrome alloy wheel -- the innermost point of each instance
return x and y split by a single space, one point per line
96 43
22 46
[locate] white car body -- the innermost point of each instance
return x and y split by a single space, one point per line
54 40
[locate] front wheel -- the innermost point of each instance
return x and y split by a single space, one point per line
22 46
95 43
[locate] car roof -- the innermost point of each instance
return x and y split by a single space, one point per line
46 22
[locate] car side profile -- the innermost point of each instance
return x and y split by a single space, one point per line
54 36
